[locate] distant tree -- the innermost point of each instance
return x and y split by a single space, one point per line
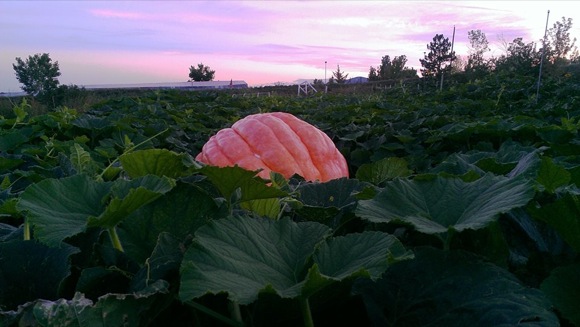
373 76
477 65
520 58
561 45
339 76
38 74
391 69
439 58
201 73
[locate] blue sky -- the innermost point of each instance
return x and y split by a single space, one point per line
261 42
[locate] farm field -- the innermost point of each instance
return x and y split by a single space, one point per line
462 209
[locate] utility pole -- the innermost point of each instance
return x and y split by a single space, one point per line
542 61
325 86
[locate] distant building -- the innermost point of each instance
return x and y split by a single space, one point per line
175 85
356 80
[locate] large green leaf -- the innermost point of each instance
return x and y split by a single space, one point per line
136 309
59 208
322 202
179 212
159 162
243 256
383 170
31 270
229 180
366 254
128 196
443 288
437 204
564 216
552 176
562 287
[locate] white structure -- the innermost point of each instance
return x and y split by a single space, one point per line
175 85
306 87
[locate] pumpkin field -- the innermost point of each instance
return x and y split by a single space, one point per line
461 208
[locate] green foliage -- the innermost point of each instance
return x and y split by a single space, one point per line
201 73
339 76
394 69
439 58
37 74
462 204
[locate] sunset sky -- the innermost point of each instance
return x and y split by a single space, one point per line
260 42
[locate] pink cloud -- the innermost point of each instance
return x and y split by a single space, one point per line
117 14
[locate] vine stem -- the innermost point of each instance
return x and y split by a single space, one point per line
235 312
26 230
306 313
115 239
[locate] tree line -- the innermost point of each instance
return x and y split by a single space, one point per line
39 75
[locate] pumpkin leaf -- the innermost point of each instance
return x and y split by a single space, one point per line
20 262
229 180
562 287
264 207
128 196
59 208
135 309
179 212
564 216
452 288
552 176
434 205
367 254
81 159
243 256
383 170
158 162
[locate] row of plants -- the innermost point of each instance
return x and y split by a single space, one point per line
461 209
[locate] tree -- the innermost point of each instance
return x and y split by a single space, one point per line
339 76
391 69
439 58
520 58
559 41
38 74
476 64
201 73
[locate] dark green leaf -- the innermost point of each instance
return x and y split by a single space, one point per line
60 208
243 256
382 170
31 270
562 287
159 162
564 216
129 196
442 288
230 179
434 205
179 212
552 176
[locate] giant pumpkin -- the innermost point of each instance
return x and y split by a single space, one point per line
278 142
